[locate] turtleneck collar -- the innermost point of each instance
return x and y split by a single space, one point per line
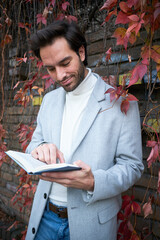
85 86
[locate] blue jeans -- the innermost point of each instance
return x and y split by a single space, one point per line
52 227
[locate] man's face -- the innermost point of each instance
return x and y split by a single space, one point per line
63 64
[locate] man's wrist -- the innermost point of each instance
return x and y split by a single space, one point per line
91 189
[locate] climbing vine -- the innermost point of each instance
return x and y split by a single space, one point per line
134 21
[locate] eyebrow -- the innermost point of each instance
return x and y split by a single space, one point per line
60 62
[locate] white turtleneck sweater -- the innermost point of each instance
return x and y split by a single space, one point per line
75 104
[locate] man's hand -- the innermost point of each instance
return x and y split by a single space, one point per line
81 179
48 153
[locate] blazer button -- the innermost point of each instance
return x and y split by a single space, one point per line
45 195
33 230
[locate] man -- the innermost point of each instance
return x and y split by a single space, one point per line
78 124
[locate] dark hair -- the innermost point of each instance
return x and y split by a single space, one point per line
70 31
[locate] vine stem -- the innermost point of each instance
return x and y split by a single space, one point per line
147 188
149 112
2 71
153 130
2 79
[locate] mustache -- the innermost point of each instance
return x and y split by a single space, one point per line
66 78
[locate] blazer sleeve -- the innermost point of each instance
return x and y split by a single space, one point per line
128 161
37 137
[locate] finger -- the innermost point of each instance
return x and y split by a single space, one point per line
40 154
52 153
34 154
81 164
63 181
46 153
60 156
56 175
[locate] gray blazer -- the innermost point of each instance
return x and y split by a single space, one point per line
110 142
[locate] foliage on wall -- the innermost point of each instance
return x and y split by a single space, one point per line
132 17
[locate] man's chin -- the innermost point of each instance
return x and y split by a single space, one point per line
69 88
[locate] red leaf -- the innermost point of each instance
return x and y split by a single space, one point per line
128 211
21 25
39 64
64 5
137 23
155 53
145 61
60 16
136 208
26 185
29 135
126 200
131 97
120 216
147 209
20 60
108 54
114 12
122 18
110 90
124 7
158 189
137 28
115 93
112 80
154 154
151 143
112 96
109 4
45 12
30 82
8 21
155 56
130 226
45 76
34 188
72 18
7 39
156 48
132 3
134 237
52 2
125 106
134 18
121 227
49 82
137 73
41 18
132 38
120 34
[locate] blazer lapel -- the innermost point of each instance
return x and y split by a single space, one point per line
92 110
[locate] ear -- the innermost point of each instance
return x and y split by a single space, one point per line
82 53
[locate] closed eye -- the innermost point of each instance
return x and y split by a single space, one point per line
65 63
51 69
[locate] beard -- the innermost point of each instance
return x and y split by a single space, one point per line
77 78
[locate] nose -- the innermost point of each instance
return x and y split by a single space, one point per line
60 74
